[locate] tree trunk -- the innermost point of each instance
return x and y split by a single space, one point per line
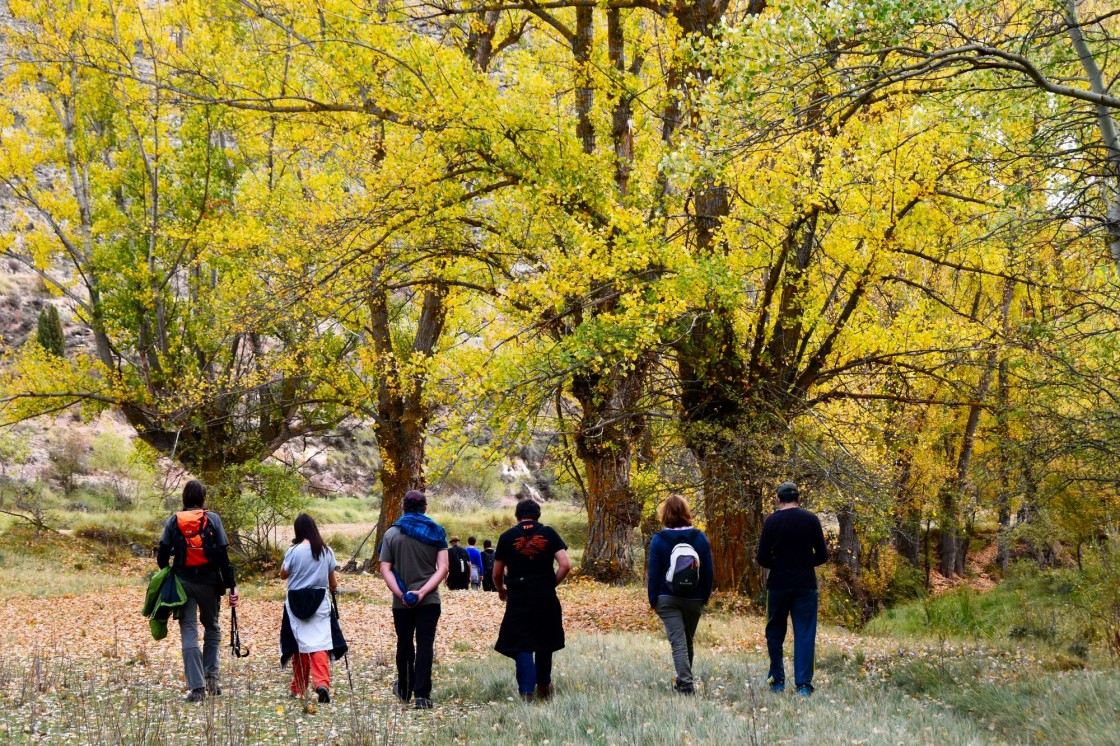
401 413
609 426
947 546
953 546
734 478
908 513
613 514
1005 487
847 555
402 469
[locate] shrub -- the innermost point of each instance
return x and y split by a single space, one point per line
253 499
49 331
69 459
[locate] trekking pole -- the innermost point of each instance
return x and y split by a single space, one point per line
346 655
346 660
235 636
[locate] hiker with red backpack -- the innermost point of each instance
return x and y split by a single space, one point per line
194 543
679 583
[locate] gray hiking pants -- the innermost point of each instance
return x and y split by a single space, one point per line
680 615
203 603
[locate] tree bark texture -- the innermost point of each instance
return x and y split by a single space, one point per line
609 426
401 413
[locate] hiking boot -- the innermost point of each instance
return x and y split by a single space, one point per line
196 695
686 689
805 689
423 703
213 688
775 686
527 698
544 692
402 696
324 695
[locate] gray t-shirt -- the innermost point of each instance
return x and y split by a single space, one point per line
211 516
413 560
304 571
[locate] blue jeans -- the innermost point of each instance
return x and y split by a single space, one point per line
532 673
801 606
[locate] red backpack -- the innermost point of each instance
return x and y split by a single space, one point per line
197 535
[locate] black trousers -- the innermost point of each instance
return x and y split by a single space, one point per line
414 657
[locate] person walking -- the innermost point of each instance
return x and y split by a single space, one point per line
195 546
488 566
791 547
679 583
459 567
533 624
311 571
413 563
475 557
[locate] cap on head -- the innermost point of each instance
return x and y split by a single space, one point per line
787 492
415 502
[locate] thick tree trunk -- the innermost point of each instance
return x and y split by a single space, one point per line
401 447
402 414
609 426
734 481
613 514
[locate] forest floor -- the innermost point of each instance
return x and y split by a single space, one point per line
80 666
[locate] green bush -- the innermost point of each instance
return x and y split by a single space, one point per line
69 459
254 499
49 333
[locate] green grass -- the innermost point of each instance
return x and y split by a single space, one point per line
47 565
610 689
488 523
1050 608
347 509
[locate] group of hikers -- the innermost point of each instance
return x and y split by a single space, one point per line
529 562
470 567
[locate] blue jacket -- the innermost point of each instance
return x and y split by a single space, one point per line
661 548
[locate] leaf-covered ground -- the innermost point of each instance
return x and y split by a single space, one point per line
82 668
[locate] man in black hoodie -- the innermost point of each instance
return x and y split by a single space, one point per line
791 547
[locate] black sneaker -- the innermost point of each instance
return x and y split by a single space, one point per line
686 689
324 695
196 695
423 703
213 688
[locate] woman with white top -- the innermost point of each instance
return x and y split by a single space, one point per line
311 570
